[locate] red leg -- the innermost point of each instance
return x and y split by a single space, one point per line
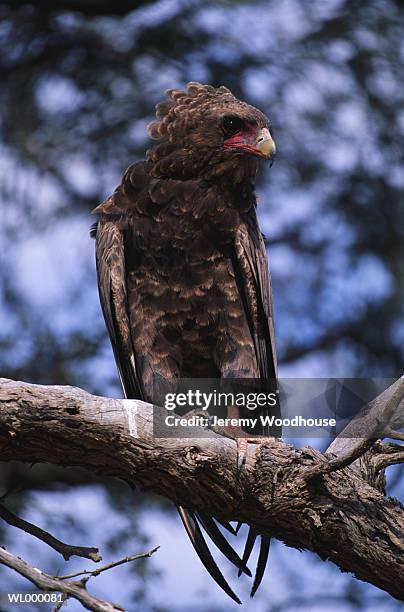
241 437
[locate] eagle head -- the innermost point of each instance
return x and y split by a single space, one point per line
207 131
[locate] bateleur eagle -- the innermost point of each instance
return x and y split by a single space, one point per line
182 268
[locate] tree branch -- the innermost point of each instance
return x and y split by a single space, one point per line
49 583
359 435
376 420
339 515
67 550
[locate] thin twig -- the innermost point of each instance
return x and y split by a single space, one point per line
99 570
67 550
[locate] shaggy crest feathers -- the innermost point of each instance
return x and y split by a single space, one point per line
176 115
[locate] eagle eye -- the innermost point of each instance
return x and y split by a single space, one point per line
232 125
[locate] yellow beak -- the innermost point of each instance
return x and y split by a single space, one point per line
265 144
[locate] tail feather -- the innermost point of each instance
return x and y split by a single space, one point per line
220 541
261 564
249 545
227 526
203 552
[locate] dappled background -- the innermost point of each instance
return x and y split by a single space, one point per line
80 79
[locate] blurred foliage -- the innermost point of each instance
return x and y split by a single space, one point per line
80 79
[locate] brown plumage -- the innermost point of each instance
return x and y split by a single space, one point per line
182 269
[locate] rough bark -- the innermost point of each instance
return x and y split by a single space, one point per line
335 513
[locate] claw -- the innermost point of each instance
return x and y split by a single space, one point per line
242 450
242 447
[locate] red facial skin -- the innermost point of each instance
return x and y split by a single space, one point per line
245 139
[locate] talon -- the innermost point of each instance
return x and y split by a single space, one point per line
242 447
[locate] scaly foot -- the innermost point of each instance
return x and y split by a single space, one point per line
242 448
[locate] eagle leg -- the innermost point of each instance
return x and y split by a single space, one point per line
241 437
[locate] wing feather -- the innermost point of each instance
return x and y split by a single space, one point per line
252 275
111 271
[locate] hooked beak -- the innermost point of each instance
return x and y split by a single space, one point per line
266 145
260 144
